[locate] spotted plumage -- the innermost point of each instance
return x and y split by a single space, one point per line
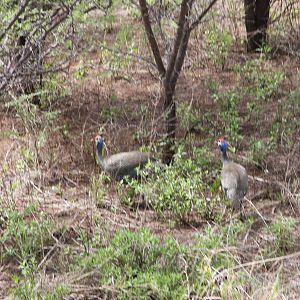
124 164
234 178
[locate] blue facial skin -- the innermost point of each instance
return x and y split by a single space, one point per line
223 146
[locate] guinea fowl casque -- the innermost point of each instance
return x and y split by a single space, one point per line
234 178
123 164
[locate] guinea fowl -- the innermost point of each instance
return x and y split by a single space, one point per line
234 178
123 164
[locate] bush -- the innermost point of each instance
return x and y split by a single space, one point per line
139 265
228 103
131 264
282 231
180 189
218 46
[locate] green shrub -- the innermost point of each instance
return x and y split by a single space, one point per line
188 116
218 46
228 103
282 231
24 240
262 81
258 152
98 188
140 265
115 60
131 263
180 189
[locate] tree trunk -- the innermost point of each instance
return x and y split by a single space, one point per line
256 21
169 84
170 74
262 18
170 123
250 23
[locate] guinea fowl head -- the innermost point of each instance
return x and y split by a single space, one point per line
100 145
223 146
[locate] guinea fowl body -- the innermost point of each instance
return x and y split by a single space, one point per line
123 164
234 178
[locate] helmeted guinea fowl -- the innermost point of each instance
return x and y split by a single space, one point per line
234 178
119 165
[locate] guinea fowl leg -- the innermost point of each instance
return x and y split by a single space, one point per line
242 213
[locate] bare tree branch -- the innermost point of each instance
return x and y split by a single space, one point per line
56 19
180 57
151 38
184 11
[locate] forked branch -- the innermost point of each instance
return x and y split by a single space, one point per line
184 12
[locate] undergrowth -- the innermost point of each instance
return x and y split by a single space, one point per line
181 191
139 265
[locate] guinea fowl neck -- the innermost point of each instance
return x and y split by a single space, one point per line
100 153
224 156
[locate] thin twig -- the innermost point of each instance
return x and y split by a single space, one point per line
264 261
